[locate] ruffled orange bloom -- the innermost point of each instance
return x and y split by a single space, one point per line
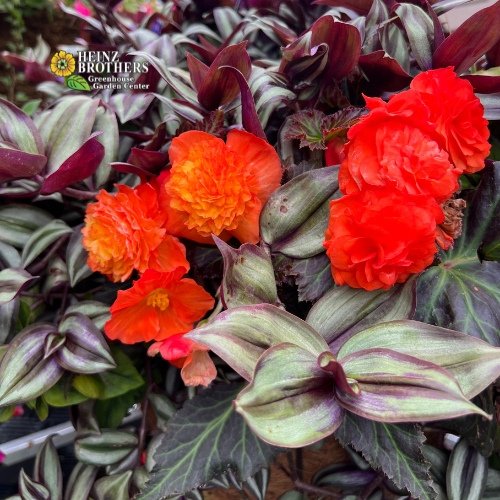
459 116
219 188
197 366
379 236
125 231
157 306
396 145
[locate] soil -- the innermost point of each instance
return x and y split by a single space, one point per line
55 27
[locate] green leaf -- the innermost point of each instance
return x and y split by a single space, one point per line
110 412
307 126
241 335
31 106
42 238
345 311
106 448
77 82
60 395
395 448
461 293
12 281
466 474
205 438
111 383
290 400
17 223
47 469
106 121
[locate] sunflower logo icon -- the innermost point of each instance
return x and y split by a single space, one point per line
62 63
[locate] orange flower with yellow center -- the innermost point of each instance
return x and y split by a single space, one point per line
219 188
158 306
62 63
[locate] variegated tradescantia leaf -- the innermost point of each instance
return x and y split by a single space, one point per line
24 372
290 400
248 276
474 363
395 387
345 311
241 335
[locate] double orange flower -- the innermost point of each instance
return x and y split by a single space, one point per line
402 160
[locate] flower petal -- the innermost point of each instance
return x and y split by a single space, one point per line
198 369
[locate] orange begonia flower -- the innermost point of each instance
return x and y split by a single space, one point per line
125 231
219 188
459 116
157 306
197 366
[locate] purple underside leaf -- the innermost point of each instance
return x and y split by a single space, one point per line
361 6
384 71
220 87
249 116
344 45
128 168
16 164
150 161
484 84
240 335
197 70
473 38
80 165
290 400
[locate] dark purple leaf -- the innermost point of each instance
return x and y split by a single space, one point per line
77 167
383 71
344 45
15 164
220 87
470 40
128 168
484 84
197 70
438 29
249 117
150 161
361 6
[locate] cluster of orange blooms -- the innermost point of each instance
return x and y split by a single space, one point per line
402 161
212 187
